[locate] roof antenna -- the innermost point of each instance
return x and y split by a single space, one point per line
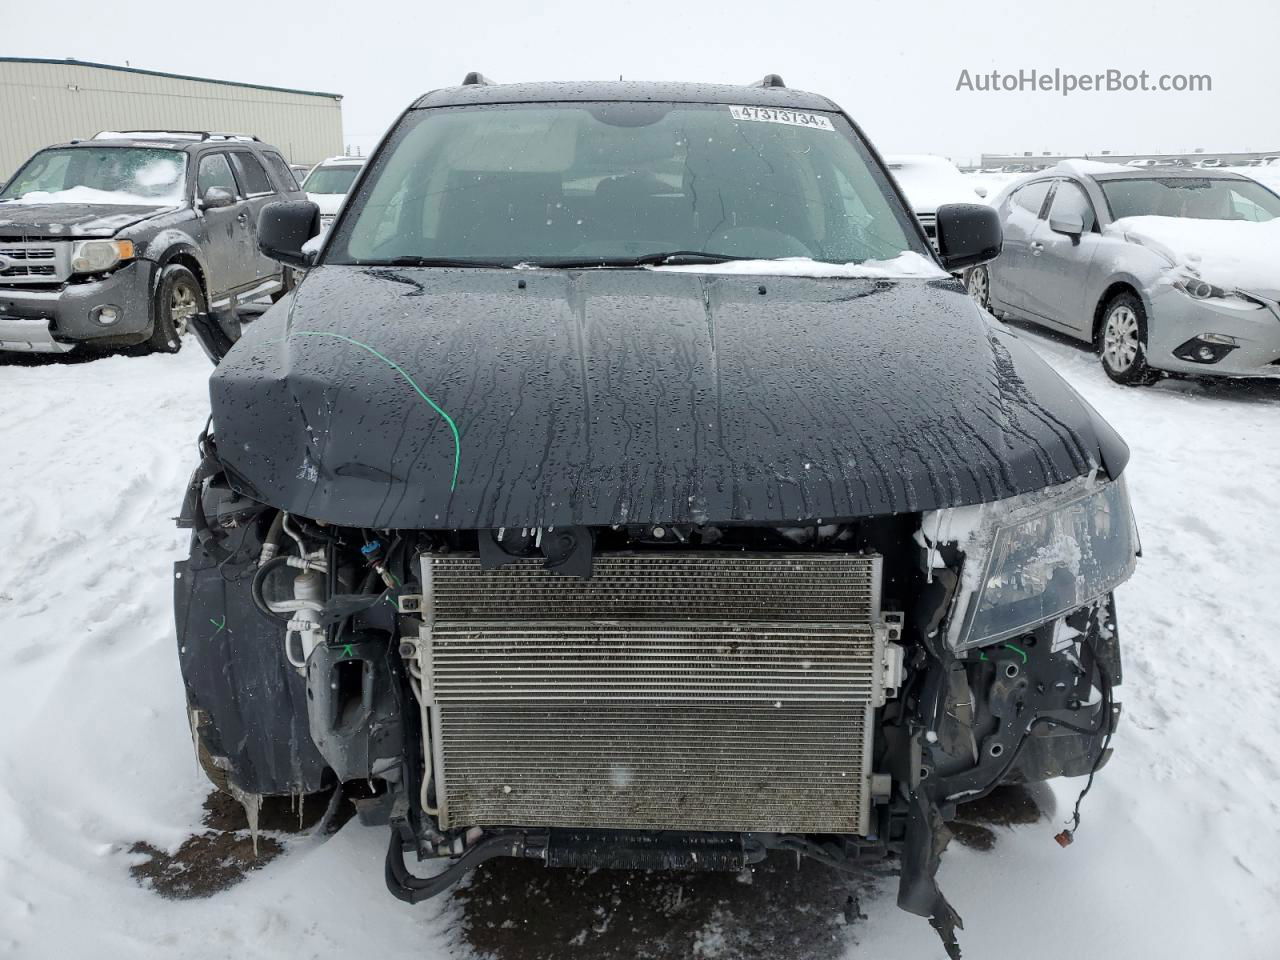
476 79
770 80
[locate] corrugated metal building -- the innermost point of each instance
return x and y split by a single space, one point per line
52 101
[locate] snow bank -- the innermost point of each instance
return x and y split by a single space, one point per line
905 266
1233 254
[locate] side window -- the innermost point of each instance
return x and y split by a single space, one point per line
251 174
1243 208
214 171
284 176
1031 197
1072 200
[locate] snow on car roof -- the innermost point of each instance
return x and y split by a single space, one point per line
338 161
624 90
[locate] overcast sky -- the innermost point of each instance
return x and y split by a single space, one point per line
893 67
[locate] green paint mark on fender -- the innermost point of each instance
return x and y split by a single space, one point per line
218 625
457 439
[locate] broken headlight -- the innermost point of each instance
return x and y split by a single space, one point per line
1036 557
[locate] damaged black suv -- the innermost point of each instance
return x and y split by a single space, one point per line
628 484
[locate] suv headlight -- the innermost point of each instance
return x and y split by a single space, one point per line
95 256
1030 559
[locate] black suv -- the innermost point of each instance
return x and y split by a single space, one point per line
628 484
125 238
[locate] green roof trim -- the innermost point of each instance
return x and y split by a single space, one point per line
170 76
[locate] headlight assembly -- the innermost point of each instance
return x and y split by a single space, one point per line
95 256
1032 558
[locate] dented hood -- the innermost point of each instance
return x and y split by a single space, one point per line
467 398
38 221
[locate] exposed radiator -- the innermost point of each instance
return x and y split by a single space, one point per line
694 691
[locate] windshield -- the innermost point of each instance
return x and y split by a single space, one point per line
1191 197
334 179
133 176
614 181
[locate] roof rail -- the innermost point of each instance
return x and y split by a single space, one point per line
769 80
170 135
476 79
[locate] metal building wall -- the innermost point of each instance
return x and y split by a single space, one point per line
44 102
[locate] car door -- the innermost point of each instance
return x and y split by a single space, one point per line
1019 214
1059 265
230 255
259 191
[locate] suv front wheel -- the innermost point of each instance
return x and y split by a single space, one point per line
178 299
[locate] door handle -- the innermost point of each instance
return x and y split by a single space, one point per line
242 217
1036 247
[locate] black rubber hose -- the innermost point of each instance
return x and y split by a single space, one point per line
411 889
260 580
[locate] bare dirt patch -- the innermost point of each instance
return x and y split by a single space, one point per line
1006 806
223 854
523 911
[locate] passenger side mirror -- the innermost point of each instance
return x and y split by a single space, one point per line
284 227
216 197
968 234
1069 223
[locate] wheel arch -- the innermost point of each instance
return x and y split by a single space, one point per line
1117 286
185 255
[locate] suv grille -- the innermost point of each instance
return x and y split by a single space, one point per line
696 691
34 262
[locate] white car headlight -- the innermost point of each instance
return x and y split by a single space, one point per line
1030 559
95 256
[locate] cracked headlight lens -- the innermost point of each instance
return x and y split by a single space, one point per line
1047 557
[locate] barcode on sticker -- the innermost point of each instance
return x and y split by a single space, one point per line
793 118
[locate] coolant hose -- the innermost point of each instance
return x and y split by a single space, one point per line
259 581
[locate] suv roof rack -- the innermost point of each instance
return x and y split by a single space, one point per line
201 135
769 80
476 79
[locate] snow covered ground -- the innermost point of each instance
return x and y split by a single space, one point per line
1178 855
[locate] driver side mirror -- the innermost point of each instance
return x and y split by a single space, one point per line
968 234
216 197
1069 223
284 227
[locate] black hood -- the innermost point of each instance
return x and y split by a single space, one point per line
505 398
36 221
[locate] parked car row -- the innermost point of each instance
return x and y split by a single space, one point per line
1164 271
125 238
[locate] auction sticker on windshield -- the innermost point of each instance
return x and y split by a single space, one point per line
793 118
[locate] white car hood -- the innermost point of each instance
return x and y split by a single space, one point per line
927 192
1233 254
329 203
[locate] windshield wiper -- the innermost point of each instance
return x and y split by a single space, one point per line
432 262
669 258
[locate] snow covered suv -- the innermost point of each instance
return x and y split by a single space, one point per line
125 238
627 484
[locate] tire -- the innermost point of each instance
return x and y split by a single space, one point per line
978 282
1122 342
178 298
